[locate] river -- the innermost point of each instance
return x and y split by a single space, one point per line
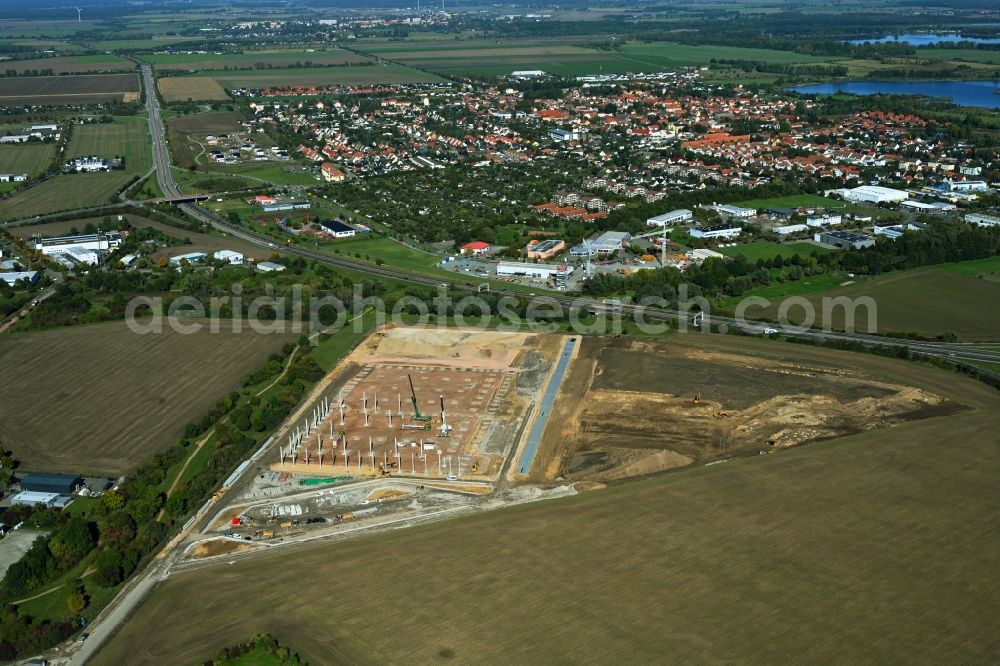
925 39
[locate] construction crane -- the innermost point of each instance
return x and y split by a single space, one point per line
417 416
445 430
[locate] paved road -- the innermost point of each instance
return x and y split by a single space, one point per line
545 408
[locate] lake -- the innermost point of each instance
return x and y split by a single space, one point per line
925 39
963 93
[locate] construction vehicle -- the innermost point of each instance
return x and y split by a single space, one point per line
382 471
722 413
417 416
475 467
268 534
445 429
697 399
286 525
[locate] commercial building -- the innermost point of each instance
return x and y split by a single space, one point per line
101 242
790 229
717 231
964 186
476 248
190 257
338 229
284 205
527 73
13 277
269 267
982 220
925 207
844 240
824 220
30 498
734 211
873 194
545 249
61 484
679 216
894 231
564 135
609 242
558 274
231 256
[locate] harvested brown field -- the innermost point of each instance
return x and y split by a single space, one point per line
195 88
634 407
101 399
80 89
66 227
211 122
220 547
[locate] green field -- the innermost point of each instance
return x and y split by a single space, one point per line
766 250
971 55
928 301
252 59
29 158
347 76
565 57
127 137
793 201
873 548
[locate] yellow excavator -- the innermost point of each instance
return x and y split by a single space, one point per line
697 399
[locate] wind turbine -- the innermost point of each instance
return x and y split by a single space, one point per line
79 14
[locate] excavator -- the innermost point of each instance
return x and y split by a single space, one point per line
697 399
382 471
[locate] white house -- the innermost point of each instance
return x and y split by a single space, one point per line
823 220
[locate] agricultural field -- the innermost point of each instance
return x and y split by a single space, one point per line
66 227
928 301
194 88
986 56
80 64
82 89
148 385
321 76
253 60
766 250
127 137
29 158
753 561
564 57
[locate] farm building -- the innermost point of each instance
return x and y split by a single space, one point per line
717 231
231 256
873 194
92 164
678 216
63 484
982 220
545 249
844 240
15 138
476 248
610 241
14 277
13 177
338 229
269 267
190 257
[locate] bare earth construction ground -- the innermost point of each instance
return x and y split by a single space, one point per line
869 548
631 407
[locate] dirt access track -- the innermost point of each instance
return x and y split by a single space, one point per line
633 407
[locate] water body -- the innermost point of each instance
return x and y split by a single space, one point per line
964 93
925 39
